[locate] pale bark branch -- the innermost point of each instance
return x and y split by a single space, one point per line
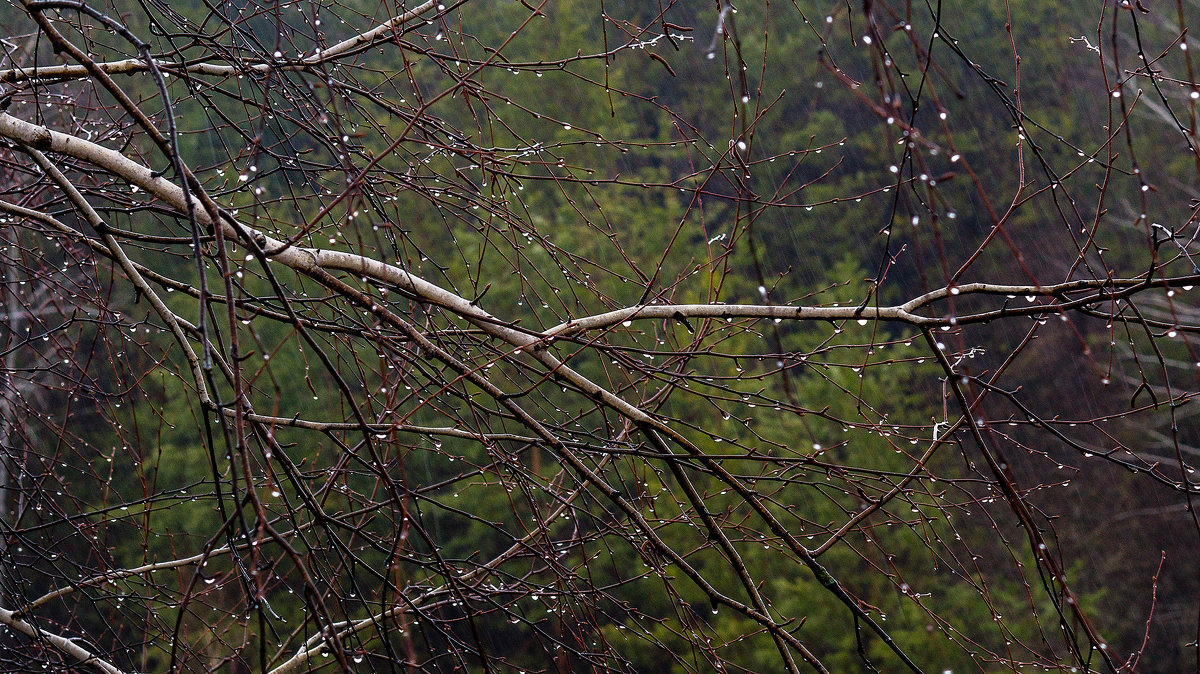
60 642
318 263
130 66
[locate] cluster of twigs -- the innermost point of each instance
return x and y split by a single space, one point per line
299 374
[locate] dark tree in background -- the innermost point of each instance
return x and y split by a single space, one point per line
588 336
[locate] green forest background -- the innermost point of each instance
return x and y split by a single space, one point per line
618 203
